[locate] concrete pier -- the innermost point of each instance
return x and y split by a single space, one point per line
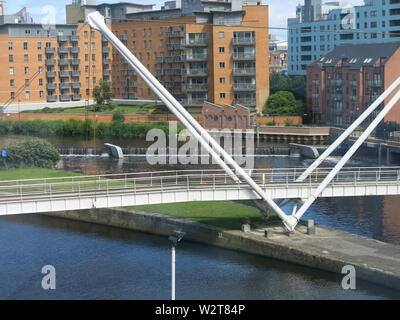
327 249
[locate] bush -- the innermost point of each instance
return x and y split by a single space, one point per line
283 103
31 153
118 116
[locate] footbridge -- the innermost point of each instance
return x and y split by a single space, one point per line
130 189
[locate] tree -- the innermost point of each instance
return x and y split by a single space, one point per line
102 93
296 85
283 103
31 153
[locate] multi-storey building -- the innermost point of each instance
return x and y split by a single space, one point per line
313 35
277 55
347 80
40 64
216 55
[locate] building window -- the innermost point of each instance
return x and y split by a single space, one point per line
12 95
40 70
39 45
26 82
40 57
11 70
10 58
26 58
222 65
222 95
27 95
222 80
12 83
26 70
10 46
25 45
41 94
221 49
221 34
40 82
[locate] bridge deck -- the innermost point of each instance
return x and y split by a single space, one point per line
119 190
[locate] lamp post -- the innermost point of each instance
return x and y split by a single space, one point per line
174 239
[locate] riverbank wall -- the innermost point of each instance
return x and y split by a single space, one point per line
328 250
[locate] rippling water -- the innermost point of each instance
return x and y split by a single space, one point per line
98 262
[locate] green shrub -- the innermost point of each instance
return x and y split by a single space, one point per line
118 116
31 153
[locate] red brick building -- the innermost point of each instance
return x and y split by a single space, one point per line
344 82
218 116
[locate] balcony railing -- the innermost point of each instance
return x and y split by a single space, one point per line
316 82
244 41
336 82
129 95
128 72
196 87
244 86
76 85
63 50
128 83
353 83
74 38
52 98
51 86
76 97
107 72
244 71
75 61
375 83
63 62
245 101
51 74
106 50
194 102
195 42
50 50
197 72
62 38
75 49
244 56
106 61
75 73
65 85
65 74
65 97
50 62
197 57
174 46
175 34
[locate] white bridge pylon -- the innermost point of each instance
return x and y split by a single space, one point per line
96 21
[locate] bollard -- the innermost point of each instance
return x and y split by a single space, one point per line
267 233
310 227
246 228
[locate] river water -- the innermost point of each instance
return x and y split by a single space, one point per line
98 262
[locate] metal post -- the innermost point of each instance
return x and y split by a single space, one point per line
173 273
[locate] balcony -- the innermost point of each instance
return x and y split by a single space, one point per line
75 49
244 71
63 50
245 101
50 62
123 37
65 97
76 85
244 86
74 38
76 97
201 42
128 72
128 84
244 41
75 73
174 46
337 82
196 87
62 38
64 74
175 34
51 74
52 98
194 102
106 50
337 96
315 82
50 50
51 86
107 72
173 72
353 83
197 57
75 61
63 62
170 59
197 72
65 86
244 56
375 83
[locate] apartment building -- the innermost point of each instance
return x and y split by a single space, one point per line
57 64
204 55
347 80
278 58
319 27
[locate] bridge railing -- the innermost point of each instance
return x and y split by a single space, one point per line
88 186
